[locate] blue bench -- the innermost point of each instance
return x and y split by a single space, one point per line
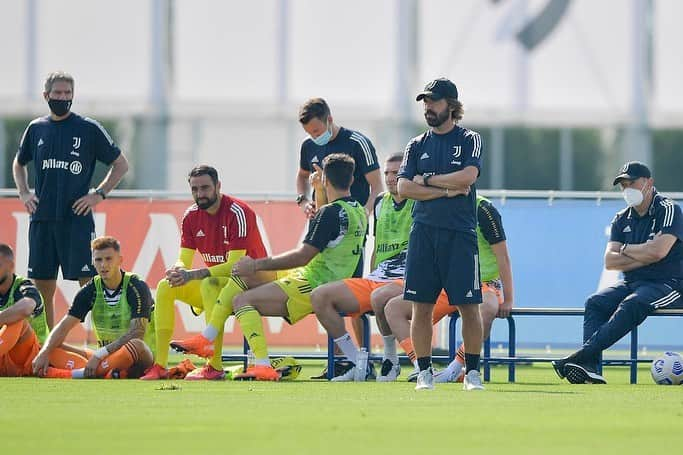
487 360
512 359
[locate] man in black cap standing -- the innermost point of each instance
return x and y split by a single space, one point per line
646 245
439 170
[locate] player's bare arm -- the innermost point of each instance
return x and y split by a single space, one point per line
86 203
291 259
54 340
374 179
615 260
20 310
27 197
455 180
413 190
500 250
136 330
316 181
302 187
652 251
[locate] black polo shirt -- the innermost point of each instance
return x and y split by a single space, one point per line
352 143
64 154
664 216
433 154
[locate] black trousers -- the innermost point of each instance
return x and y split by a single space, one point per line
613 312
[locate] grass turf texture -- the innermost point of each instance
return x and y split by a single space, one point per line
539 414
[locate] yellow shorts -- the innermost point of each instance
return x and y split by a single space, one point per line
298 291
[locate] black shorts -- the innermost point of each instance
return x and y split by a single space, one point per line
442 259
65 244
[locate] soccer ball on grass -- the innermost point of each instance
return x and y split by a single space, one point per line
667 369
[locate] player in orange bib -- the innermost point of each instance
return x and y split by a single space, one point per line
23 325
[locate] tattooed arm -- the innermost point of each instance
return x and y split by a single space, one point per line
136 330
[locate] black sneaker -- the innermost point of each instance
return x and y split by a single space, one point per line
578 374
340 368
558 366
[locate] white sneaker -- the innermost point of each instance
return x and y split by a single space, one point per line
425 380
449 375
349 376
361 366
389 371
472 381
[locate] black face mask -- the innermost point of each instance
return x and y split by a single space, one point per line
59 107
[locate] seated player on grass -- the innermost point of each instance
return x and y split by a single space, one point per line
222 229
393 313
330 251
121 305
23 325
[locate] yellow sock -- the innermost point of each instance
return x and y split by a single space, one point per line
164 313
223 308
164 319
252 327
210 288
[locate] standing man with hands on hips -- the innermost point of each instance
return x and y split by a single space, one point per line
64 148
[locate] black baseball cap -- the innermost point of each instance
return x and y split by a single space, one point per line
631 171
438 89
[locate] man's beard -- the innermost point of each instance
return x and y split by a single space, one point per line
206 202
3 279
437 119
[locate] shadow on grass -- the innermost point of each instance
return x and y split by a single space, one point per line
540 392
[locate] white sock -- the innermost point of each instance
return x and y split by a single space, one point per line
78 374
347 346
210 332
262 362
454 365
390 349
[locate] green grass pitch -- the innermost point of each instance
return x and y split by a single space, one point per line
539 414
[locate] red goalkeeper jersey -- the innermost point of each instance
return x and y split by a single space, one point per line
233 227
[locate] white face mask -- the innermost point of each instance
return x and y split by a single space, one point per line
633 197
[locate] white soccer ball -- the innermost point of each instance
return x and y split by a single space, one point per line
667 369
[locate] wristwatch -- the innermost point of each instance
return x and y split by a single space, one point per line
300 198
101 192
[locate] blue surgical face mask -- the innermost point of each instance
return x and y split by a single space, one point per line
324 138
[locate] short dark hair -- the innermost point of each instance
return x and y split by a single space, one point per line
314 108
104 242
394 157
6 250
58 76
204 169
457 108
338 169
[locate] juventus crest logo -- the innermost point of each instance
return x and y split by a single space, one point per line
457 149
77 143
